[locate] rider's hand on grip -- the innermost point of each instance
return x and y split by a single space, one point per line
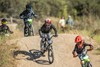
36 16
74 56
11 32
55 35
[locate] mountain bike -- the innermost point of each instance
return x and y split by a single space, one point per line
86 60
28 31
47 47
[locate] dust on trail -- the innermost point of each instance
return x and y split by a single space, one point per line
62 47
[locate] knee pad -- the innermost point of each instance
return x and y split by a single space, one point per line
50 41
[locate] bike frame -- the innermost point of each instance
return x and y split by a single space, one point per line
50 51
86 59
47 46
29 28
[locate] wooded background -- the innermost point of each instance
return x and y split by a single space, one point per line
56 8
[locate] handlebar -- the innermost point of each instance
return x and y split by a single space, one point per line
52 36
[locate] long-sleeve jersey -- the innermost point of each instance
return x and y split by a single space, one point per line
80 50
5 29
27 14
47 29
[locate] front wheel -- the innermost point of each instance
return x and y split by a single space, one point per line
89 64
50 55
25 32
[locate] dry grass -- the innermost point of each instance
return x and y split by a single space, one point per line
6 50
6 55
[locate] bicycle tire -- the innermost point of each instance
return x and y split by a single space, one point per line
89 64
50 55
26 32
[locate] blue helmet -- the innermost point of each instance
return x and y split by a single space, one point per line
28 7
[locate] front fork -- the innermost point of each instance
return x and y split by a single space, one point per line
85 61
28 30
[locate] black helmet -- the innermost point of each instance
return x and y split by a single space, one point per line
28 7
3 20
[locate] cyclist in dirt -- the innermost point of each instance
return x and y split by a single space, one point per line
4 29
27 15
46 29
80 48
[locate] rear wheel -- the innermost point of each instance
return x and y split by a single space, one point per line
50 55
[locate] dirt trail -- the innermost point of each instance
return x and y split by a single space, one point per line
62 47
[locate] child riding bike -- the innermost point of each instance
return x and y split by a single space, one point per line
80 49
45 30
4 29
27 15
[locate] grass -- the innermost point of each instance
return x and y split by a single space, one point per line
82 28
6 52
6 59
97 38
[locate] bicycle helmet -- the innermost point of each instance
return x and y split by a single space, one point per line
28 7
48 21
78 39
4 21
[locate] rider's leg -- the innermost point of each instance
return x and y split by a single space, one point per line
24 26
81 60
32 31
42 41
43 45
49 39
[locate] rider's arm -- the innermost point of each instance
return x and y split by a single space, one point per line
9 30
34 14
21 15
0 28
55 30
74 52
40 31
91 47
